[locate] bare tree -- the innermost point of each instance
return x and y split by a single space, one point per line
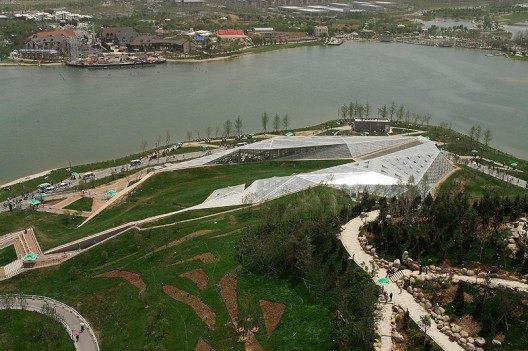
217 130
238 125
487 137
285 122
478 130
167 137
158 141
264 119
189 135
208 132
276 122
367 110
143 145
472 132
227 128
197 133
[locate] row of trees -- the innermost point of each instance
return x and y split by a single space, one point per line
476 134
229 127
392 112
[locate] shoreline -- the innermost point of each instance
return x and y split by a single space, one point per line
254 51
27 178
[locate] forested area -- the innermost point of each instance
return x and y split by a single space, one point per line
450 227
298 241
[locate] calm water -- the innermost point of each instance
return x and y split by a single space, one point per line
52 115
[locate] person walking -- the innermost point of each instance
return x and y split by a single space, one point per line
390 297
82 326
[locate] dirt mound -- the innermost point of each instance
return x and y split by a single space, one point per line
228 285
198 277
203 346
131 277
187 237
272 312
206 258
201 309
469 324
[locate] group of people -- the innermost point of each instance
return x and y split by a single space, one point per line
77 333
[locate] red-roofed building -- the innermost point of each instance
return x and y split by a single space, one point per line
56 39
231 34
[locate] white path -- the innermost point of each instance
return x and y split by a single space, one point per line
349 238
71 319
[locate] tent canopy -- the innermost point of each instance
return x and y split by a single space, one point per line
34 202
30 256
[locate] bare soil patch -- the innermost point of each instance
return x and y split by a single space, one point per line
232 220
206 258
469 324
203 346
228 285
201 309
197 276
272 312
448 295
131 277
252 343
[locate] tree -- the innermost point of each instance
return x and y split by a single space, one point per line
217 130
383 112
392 110
167 137
425 320
264 119
285 122
276 122
472 133
208 132
227 128
367 110
144 145
400 113
158 141
344 111
238 125
458 301
487 137
477 133
351 108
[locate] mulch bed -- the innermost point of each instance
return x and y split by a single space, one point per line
203 346
131 277
272 312
201 309
228 285
197 276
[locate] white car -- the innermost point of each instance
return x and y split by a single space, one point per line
50 188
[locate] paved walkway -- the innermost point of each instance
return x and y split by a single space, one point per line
71 319
349 238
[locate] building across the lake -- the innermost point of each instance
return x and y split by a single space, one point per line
365 125
58 39
153 43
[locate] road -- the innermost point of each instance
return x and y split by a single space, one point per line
71 319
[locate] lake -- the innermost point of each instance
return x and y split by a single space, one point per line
50 116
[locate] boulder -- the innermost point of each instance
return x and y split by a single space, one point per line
397 337
464 334
470 340
496 342
470 272
463 271
480 341
470 347
456 335
456 329
396 263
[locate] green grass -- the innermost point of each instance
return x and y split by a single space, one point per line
515 17
273 47
83 204
476 184
7 255
122 317
25 330
418 339
163 193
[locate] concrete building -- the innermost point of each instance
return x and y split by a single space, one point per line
364 125
231 34
320 31
148 43
58 39
118 35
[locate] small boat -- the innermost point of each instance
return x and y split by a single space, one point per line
335 41
105 62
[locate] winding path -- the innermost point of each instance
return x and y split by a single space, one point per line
350 240
71 319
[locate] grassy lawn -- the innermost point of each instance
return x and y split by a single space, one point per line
476 184
166 192
123 317
83 204
25 330
515 17
7 255
273 47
